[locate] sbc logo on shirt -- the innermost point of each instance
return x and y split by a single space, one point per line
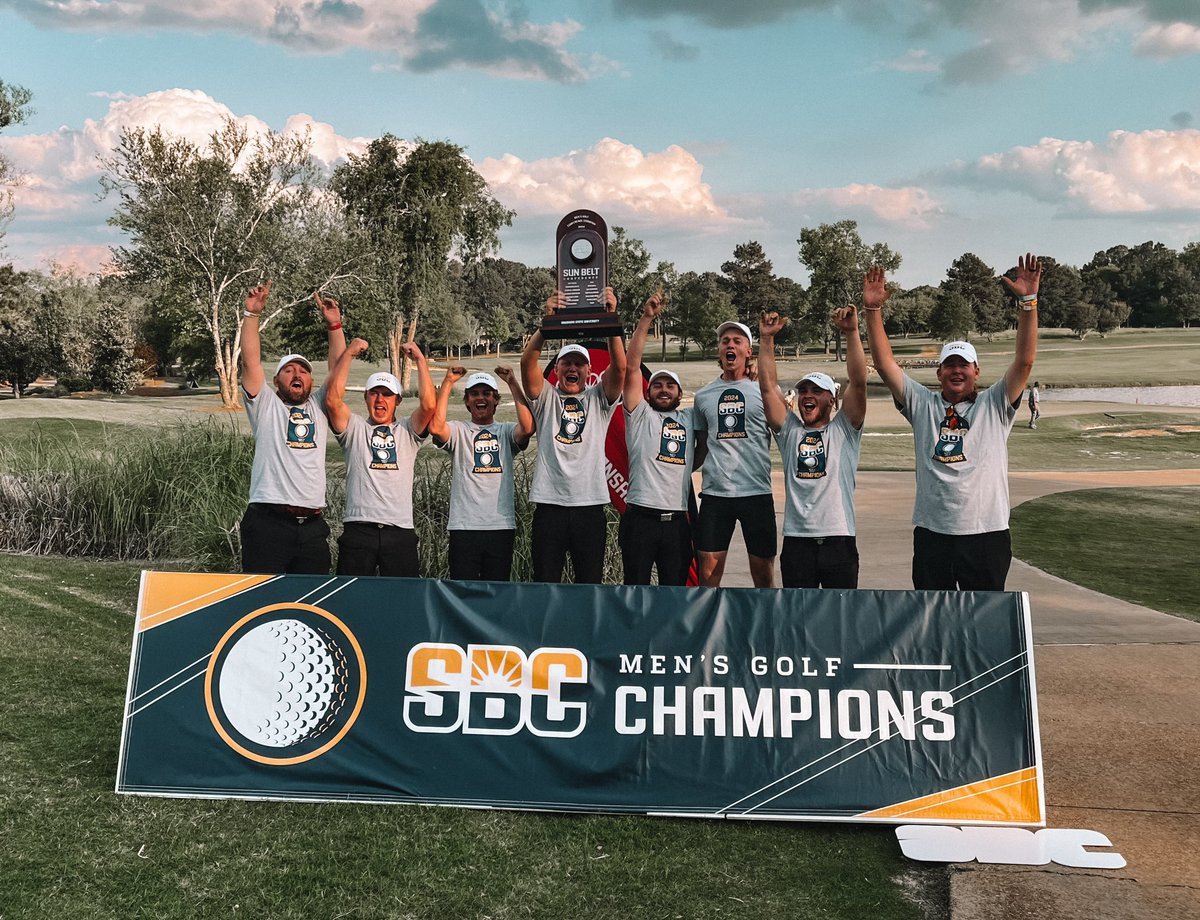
810 456
487 453
731 415
672 443
951 443
301 432
570 425
383 448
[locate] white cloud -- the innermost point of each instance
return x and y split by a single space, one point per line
1168 41
1130 173
911 206
916 60
617 179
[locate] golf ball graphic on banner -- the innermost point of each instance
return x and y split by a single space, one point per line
285 688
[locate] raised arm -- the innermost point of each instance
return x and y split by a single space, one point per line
637 347
531 373
331 312
875 293
253 376
438 426
426 395
854 402
770 324
525 423
613 378
336 409
1025 289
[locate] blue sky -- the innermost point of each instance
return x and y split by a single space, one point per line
941 126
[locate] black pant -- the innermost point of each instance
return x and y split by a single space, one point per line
481 555
581 531
971 562
378 549
275 542
647 540
819 562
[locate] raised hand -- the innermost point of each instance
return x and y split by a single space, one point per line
770 324
610 300
1029 276
653 305
846 319
505 373
357 347
875 289
411 351
555 301
331 310
256 301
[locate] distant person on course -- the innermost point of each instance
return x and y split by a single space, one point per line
736 485
378 537
284 530
660 436
483 519
1035 404
820 458
961 538
570 485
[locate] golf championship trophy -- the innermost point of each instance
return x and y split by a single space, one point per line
581 248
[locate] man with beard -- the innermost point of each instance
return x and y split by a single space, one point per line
961 538
378 536
736 485
483 520
820 457
284 529
654 528
570 486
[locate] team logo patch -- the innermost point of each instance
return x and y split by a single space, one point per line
952 441
810 456
672 443
570 425
301 432
731 415
383 448
487 453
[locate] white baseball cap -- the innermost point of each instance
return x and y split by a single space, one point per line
964 350
824 381
573 349
293 359
385 380
741 327
481 378
666 373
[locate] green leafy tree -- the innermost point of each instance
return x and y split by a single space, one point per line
207 223
908 311
951 316
1111 312
750 281
1062 298
837 259
14 109
976 282
30 329
1160 287
629 274
698 305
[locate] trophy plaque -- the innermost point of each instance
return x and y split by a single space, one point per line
581 258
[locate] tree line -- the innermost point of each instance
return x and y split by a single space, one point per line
406 236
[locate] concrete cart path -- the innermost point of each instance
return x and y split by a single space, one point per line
1119 711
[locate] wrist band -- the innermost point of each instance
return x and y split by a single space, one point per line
872 309
248 314
334 328
1028 297
1029 303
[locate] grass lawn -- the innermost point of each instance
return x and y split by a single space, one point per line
75 848
1137 543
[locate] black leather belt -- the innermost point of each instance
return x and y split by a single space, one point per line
293 511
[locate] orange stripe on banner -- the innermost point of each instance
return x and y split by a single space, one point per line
167 596
1012 797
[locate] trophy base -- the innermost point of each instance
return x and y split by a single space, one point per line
582 324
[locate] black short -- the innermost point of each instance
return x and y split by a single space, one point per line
819 562
481 555
756 514
275 542
581 530
650 538
967 562
378 549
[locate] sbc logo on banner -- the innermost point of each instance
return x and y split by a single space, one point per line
494 690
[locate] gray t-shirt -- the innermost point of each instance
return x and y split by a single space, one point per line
739 442
289 449
961 458
481 489
818 473
571 466
379 471
661 445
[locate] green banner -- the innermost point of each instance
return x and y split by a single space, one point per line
895 706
